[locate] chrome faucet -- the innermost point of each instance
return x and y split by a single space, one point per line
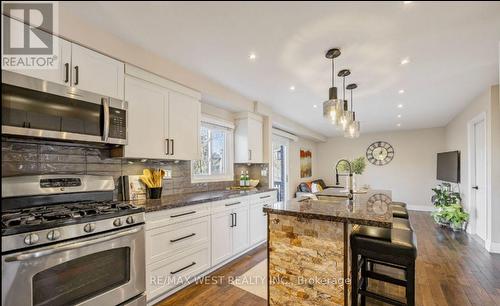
350 183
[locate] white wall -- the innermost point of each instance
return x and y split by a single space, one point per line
456 139
410 175
294 159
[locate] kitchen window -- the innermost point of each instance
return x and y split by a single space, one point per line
216 146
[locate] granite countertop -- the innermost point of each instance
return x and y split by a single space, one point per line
186 199
371 208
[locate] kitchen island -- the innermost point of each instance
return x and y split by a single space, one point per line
308 246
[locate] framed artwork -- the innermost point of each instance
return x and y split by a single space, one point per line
305 163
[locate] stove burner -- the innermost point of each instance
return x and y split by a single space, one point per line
61 212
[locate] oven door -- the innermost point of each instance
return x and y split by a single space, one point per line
106 269
35 108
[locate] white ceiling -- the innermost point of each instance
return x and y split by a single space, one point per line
453 48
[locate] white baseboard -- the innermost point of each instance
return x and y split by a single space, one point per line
492 247
420 207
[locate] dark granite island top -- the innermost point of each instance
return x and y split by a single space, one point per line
370 208
308 246
186 199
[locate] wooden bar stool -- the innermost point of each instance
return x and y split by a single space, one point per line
394 248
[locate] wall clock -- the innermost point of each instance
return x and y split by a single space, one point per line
380 153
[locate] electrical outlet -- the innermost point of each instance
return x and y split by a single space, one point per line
263 172
168 174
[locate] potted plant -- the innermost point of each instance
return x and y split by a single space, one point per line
358 166
442 198
456 216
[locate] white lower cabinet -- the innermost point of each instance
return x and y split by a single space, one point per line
221 236
186 242
230 234
171 272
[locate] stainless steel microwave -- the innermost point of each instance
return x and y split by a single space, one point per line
36 108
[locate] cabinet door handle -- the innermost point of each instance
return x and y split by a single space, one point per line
265 197
232 220
172 147
231 204
167 146
76 75
182 269
235 219
249 154
66 73
183 214
182 238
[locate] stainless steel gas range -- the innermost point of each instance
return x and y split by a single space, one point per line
66 242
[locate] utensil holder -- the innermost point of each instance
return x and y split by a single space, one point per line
155 193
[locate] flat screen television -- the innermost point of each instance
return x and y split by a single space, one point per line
448 166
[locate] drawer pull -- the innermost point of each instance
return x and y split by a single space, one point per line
265 197
182 238
182 269
235 203
183 214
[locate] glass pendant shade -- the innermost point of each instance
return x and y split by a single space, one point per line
346 118
352 130
333 110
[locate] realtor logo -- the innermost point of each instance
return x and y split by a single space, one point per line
26 39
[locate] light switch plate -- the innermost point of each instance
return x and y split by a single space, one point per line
168 174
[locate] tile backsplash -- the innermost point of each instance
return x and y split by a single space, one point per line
32 157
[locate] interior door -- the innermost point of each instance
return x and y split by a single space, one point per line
61 73
146 115
221 236
184 115
479 179
97 73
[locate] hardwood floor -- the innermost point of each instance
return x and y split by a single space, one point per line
453 269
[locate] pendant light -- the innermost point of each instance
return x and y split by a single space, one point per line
353 128
333 108
346 117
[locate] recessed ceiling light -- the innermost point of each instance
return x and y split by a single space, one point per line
400 105
405 61
315 106
399 116
401 91
292 88
407 2
252 56
399 124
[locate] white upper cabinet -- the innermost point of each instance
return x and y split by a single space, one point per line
81 68
97 73
61 73
248 138
163 118
184 126
147 104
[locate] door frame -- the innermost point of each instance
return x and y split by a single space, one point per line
471 162
286 143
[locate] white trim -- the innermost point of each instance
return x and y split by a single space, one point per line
492 247
471 159
420 207
161 81
285 134
247 115
217 121
229 163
